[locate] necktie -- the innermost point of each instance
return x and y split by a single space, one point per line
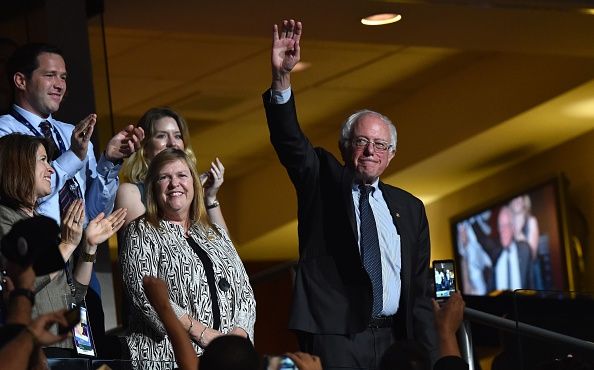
46 130
509 270
70 191
370 252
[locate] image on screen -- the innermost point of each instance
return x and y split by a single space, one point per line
512 244
445 282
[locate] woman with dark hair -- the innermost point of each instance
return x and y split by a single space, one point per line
164 128
26 177
209 289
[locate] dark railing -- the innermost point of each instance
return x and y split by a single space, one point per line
470 315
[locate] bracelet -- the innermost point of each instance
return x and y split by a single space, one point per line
214 204
191 324
202 335
87 257
25 293
33 336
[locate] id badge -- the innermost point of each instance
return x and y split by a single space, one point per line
81 334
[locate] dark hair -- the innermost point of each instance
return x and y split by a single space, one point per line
230 352
25 60
17 168
404 355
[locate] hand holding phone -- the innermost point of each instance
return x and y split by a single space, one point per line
279 362
72 316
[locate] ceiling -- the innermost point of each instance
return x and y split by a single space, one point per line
473 87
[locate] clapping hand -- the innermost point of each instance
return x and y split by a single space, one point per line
72 223
101 227
124 143
212 180
81 135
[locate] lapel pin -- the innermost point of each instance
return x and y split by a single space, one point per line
397 215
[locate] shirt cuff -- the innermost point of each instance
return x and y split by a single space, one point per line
280 97
107 168
69 163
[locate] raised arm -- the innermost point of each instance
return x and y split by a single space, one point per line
98 230
212 181
286 53
156 292
447 321
102 175
129 197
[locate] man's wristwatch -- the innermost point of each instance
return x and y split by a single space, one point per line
212 205
86 257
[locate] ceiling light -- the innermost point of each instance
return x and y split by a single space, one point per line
381 19
587 11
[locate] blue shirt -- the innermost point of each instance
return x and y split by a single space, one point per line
389 243
98 181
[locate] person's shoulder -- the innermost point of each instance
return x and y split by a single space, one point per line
6 118
7 213
398 193
138 226
128 189
8 124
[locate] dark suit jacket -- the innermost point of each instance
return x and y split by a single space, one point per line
332 293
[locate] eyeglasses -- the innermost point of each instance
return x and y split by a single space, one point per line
380 146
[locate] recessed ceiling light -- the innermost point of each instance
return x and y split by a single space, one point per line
381 19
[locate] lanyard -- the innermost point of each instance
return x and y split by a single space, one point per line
16 115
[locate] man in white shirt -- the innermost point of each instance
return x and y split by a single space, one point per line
512 267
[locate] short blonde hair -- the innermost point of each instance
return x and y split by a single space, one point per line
197 209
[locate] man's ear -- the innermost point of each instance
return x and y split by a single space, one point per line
20 81
391 155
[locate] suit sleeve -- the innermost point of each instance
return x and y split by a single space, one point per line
102 185
293 148
422 310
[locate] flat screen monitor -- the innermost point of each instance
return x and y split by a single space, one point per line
515 242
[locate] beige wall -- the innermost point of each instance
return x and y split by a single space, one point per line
575 159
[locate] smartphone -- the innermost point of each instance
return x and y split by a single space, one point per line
279 362
72 316
444 279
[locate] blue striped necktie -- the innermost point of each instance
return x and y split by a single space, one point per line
370 252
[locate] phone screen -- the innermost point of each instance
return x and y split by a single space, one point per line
444 278
279 362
